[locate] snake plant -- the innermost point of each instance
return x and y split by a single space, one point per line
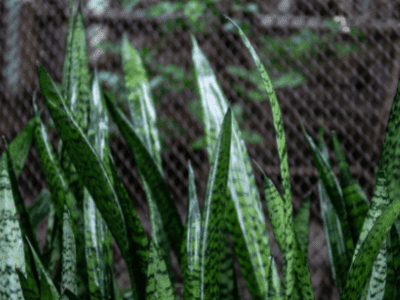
88 204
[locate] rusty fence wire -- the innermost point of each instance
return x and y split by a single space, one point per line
331 60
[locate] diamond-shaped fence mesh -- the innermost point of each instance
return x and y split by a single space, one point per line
336 60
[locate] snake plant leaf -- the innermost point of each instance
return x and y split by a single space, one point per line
380 201
89 167
334 191
288 263
52 248
302 224
98 252
26 223
28 285
192 243
214 210
158 284
393 279
144 123
275 292
47 288
11 244
334 239
68 257
368 251
244 216
20 145
40 208
67 60
154 178
355 199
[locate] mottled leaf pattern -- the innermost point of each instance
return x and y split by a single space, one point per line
214 210
288 263
11 245
302 224
88 164
40 208
356 201
68 257
371 244
248 225
158 284
30 290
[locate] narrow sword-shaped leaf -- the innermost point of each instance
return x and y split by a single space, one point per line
356 201
334 239
192 244
302 224
368 250
214 211
29 288
144 123
288 274
158 186
334 191
68 256
88 165
244 216
26 223
11 245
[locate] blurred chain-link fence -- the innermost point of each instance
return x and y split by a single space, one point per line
336 60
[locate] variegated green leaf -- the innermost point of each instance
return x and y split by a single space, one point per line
144 123
191 244
393 276
335 194
355 199
68 256
11 245
334 239
302 224
158 284
154 178
26 223
288 263
88 165
69 294
214 210
244 216
367 252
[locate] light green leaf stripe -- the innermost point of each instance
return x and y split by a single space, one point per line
368 251
11 245
192 244
288 277
214 211
26 223
88 165
302 224
154 178
158 284
68 257
334 239
249 224
356 201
